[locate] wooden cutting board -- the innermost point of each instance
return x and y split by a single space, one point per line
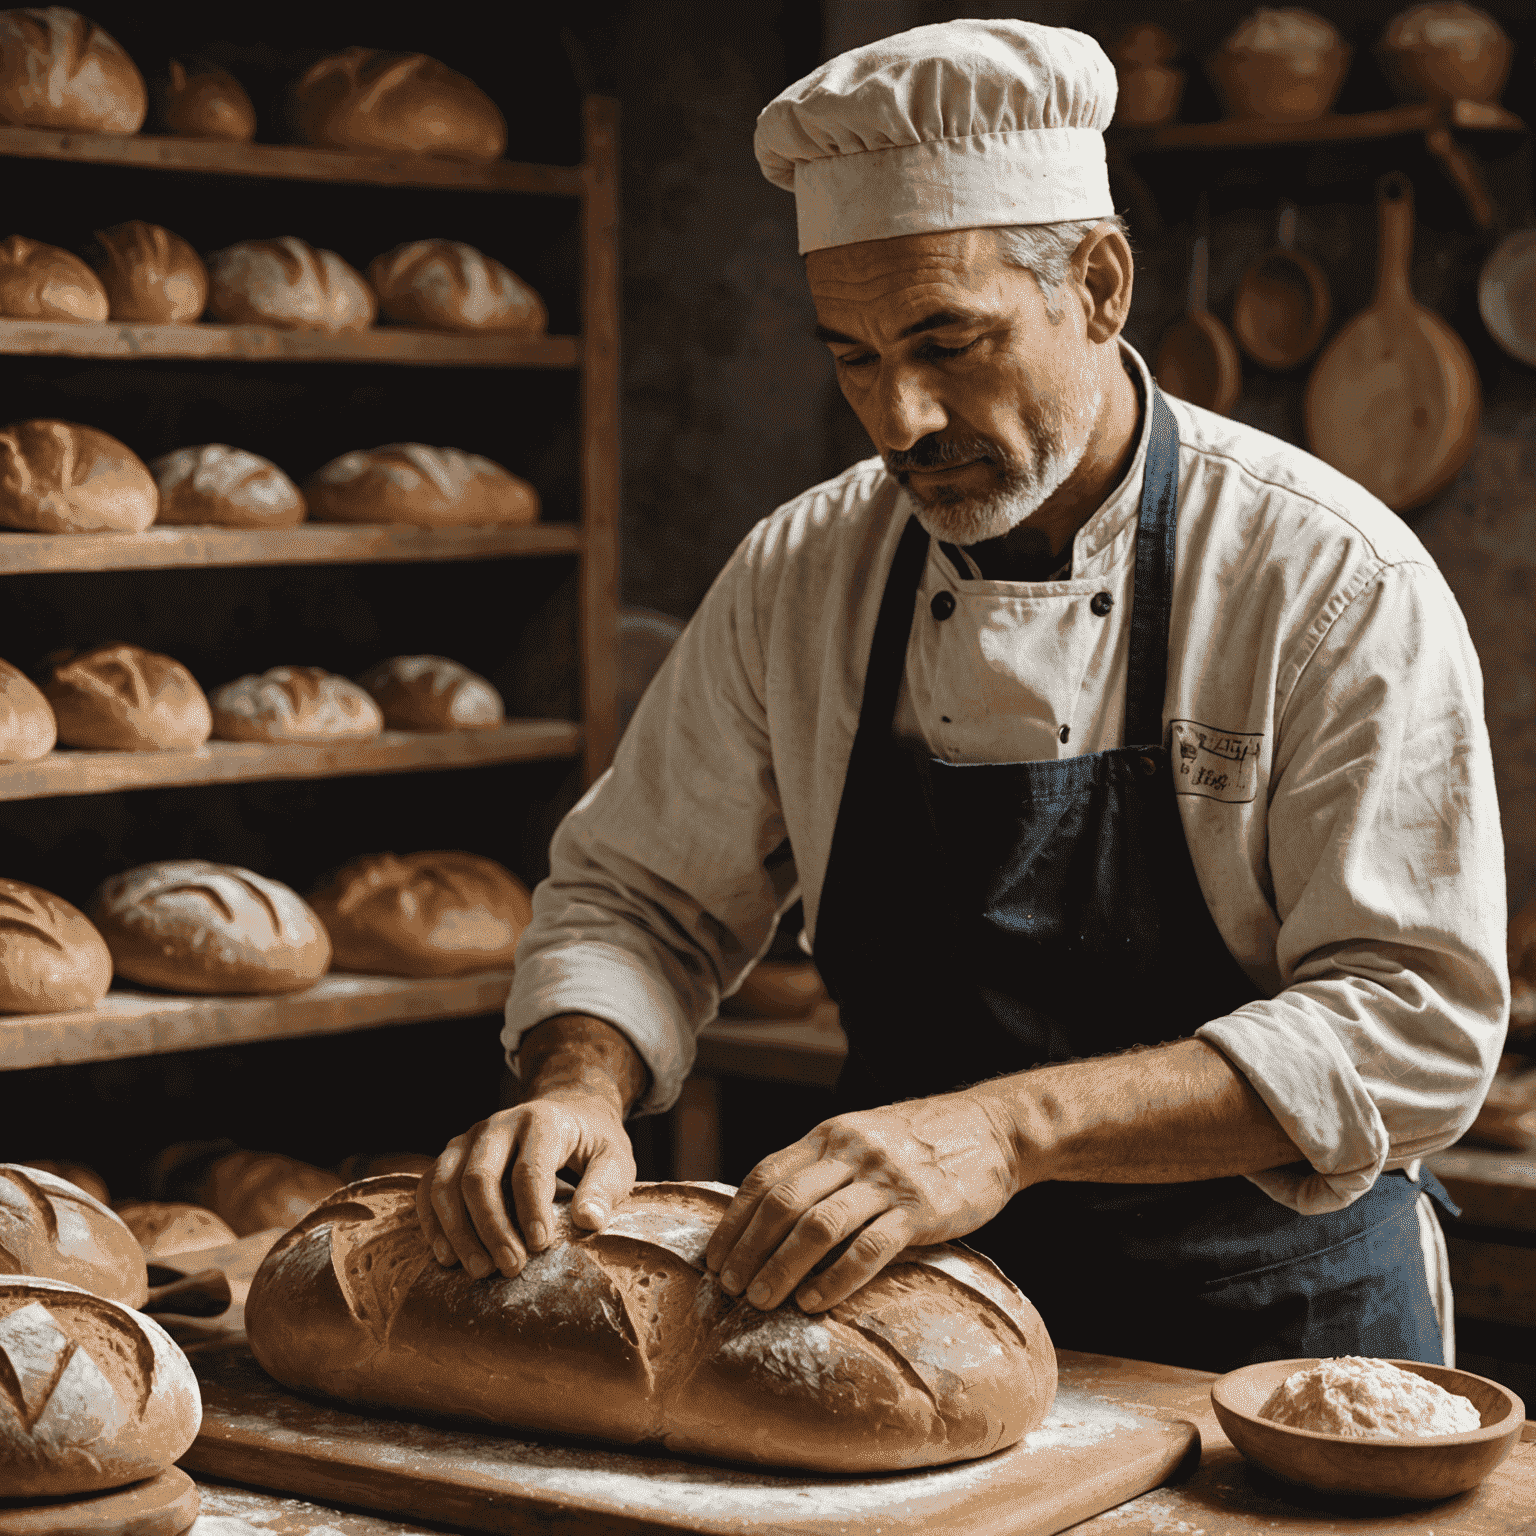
1090 1455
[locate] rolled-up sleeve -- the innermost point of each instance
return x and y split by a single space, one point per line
1387 861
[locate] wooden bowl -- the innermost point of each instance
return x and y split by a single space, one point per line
1409 1467
1279 87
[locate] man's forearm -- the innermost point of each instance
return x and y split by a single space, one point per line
574 1052
1171 1113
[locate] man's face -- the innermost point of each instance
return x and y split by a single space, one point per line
979 404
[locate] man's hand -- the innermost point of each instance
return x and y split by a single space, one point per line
580 1077
918 1172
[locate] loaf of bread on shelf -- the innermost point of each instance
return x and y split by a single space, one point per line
45 282
201 101
424 914
27 727
251 1191
213 483
122 698
151 274
446 285
294 704
188 925
396 103
290 285
622 1335
164 1227
412 483
79 1174
51 1227
432 693
59 70
93 1395
60 477
52 958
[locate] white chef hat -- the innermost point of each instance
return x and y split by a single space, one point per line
954 126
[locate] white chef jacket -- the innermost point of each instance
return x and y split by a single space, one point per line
1324 715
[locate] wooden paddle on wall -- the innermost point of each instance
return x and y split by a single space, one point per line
1394 402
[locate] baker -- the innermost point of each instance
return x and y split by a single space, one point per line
1131 766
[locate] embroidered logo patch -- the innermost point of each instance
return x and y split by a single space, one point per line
1221 765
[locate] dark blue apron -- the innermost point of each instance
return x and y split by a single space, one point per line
981 919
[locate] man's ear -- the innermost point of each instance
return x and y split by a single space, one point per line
1106 272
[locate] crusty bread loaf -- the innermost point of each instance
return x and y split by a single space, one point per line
204 103
151 274
228 487
173 1226
191 926
431 693
60 477
427 914
252 1191
446 285
51 1227
412 483
623 1336
51 958
397 103
79 1174
58 70
122 698
294 704
290 285
45 282
369 1165
27 726
92 1394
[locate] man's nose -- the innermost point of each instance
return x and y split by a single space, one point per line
907 410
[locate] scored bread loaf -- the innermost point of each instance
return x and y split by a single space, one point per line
294 704
151 274
446 285
400 103
58 70
427 914
122 698
204 102
51 1227
51 957
228 487
622 1335
164 1227
432 693
93 1395
191 926
290 285
27 727
44 282
60 477
252 1191
412 483
79 1174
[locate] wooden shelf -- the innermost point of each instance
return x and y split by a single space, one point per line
70 772
1245 133
808 1050
127 1023
404 346
288 162
307 544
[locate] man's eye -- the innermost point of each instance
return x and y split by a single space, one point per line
855 360
934 350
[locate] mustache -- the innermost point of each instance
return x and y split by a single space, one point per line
933 452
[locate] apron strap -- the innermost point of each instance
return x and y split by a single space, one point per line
1146 679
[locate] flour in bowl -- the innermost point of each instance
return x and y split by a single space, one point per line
1365 1398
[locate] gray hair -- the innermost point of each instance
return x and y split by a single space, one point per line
1047 251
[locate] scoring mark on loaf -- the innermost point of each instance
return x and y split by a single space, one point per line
33 1208
104 1334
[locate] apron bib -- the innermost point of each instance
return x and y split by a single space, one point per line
981 919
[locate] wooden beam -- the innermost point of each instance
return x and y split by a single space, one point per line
1249 133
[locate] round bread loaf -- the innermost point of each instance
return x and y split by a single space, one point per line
398 103
411 483
27 727
99 1395
253 1191
151 274
44 282
52 959
622 1335
79 1174
427 914
51 1227
227 487
122 698
58 70
446 285
204 103
431 693
294 704
290 285
59 477
164 1227
191 926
